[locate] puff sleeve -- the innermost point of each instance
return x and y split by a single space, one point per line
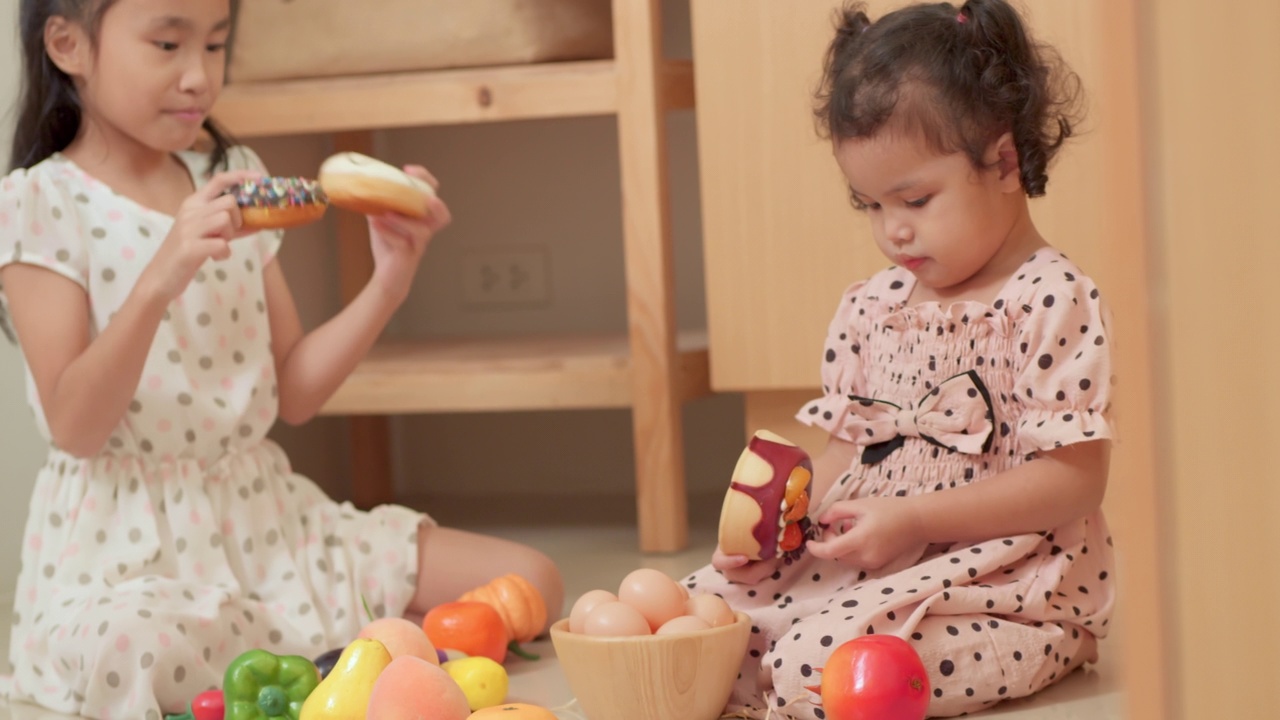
842 371
1064 382
38 226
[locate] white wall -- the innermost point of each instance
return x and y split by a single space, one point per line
21 449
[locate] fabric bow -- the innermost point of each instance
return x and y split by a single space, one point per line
956 415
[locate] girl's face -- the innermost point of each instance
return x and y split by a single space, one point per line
156 69
934 215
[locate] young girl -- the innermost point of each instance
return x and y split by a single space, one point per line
966 388
167 534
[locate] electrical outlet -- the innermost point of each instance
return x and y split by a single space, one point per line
507 277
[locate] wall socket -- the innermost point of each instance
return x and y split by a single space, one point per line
506 277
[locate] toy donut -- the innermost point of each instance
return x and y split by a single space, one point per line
362 184
272 203
765 511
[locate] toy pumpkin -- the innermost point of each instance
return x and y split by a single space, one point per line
518 602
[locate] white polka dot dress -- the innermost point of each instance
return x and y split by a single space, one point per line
187 540
992 620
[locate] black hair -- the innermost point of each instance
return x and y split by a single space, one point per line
49 110
959 77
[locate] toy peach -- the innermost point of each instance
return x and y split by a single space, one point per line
401 637
411 688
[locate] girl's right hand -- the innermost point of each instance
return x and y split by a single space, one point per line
203 228
739 569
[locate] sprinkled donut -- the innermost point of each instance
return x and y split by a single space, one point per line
273 203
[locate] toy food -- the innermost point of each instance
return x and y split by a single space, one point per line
615 619
279 202
513 711
682 624
326 660
518 602
208 705
362 184
874 677
411 688
656 596
648 603
473 627
482 680
710 608
765 511
344 694
584 605
401 637
259 685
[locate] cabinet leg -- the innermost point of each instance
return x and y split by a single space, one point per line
371 461
662 503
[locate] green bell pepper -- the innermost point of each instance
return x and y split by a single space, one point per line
261 686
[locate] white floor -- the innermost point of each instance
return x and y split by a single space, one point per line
599 556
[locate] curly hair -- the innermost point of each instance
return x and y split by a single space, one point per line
957 77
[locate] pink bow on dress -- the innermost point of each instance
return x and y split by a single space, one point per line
956 415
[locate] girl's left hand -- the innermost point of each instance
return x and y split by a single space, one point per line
398 241
868 533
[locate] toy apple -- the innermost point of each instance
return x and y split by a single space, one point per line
874 677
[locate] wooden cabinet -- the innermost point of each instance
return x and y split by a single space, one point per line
781 241
648 369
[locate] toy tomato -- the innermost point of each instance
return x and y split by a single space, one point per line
874 677
473 627
208 705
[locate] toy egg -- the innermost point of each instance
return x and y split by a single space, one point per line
673 676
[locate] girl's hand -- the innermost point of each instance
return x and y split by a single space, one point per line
398 242
206 223
738 569
868 533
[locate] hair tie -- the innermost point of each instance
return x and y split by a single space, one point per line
960 18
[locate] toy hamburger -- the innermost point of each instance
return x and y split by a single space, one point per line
765 511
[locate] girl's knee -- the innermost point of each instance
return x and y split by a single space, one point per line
543 573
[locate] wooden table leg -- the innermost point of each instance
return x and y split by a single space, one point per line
661 498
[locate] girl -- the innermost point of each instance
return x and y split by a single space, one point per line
965 388
167 534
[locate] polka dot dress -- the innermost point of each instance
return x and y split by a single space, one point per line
146 569
992 620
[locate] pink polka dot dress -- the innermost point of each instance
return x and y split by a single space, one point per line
187 540
937 398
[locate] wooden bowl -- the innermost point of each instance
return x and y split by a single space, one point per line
682 676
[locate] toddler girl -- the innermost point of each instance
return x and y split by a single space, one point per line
965 388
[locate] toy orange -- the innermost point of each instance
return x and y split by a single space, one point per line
475 628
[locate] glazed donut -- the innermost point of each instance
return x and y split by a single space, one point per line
362 184
765 511
272 203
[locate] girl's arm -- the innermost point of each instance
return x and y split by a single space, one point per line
1042 494
311 367
1061 486
84 387
830 465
